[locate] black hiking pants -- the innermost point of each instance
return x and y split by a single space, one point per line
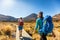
43 37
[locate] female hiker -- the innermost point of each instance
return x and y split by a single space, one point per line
20 26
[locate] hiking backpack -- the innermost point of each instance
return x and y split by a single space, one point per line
47 25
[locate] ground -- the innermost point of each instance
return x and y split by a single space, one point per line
28 27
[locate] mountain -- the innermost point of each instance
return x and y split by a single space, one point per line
31 17
7 18
56 17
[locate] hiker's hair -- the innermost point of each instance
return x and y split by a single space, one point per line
41 13
20 17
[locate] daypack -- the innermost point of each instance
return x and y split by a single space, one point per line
47 25
20 22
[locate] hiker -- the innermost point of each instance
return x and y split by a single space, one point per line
20 26
39 22
47 27
44 25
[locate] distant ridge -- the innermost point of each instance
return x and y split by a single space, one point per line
7 18
56 17
31 17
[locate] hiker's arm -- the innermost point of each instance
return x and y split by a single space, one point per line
53 34
36 25
53 31
18 21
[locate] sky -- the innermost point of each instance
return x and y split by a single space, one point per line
23 8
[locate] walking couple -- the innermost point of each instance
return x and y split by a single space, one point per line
44 25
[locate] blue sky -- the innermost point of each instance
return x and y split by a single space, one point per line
23 8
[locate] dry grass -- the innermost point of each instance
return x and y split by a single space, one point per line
29 27
6 27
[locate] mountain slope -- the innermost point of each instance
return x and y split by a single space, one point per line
31 17
56 17
7 18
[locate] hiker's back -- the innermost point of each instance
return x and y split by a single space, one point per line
20 22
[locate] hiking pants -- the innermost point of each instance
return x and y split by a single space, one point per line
43 37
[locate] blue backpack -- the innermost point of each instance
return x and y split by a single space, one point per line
47 25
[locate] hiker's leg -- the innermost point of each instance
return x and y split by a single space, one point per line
53 34
20 33
43 37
